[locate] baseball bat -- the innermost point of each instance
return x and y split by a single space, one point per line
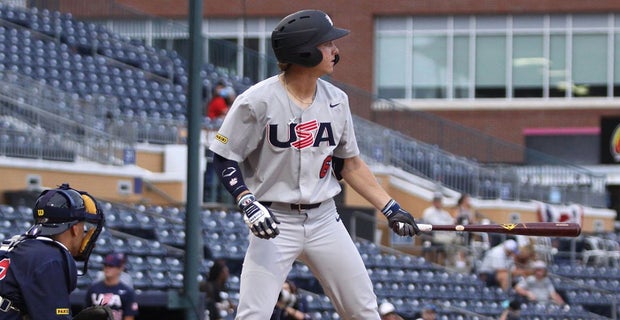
547 229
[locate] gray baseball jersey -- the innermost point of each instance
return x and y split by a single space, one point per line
285 152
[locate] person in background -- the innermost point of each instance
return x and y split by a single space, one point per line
538 287
290 306
429 312
125 276
388 312
512 311
465 214
497 263
215 287
221 99
442 241
111 291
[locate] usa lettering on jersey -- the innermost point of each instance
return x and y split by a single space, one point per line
302 135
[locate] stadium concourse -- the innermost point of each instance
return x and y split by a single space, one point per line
145 88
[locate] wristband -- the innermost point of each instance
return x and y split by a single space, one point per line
246 200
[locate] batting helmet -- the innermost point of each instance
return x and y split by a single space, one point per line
295 38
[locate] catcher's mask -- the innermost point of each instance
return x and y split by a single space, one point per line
57 210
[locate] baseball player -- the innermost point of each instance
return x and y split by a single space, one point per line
111 291
274 153
38 269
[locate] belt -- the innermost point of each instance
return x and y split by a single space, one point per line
293 206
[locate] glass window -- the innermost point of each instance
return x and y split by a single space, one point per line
526 22
491 67
430 23
391 55
460 73
429 66
491 23
589 66
391 24
528 65
461 23
588 21
557 65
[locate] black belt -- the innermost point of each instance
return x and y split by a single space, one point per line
294 206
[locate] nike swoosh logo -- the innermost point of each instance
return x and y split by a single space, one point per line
334 105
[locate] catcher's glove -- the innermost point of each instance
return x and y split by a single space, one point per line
95 313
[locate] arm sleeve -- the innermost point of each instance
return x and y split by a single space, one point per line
47 296
229 173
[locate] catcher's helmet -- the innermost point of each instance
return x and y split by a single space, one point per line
295 38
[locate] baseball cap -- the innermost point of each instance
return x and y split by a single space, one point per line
539 264
437 196
114 260
386 308
511 246
429 307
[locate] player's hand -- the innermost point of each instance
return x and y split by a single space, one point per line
399 220
258 218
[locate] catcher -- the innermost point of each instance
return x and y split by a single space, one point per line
38 269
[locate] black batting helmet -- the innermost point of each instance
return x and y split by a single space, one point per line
295 38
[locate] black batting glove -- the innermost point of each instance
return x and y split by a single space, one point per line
258 218
399 220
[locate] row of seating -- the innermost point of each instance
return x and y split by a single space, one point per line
156 265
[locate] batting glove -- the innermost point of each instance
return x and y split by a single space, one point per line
399 220
258 218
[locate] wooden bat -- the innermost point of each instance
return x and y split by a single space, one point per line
547 229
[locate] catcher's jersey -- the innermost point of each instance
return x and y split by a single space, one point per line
38 275
285 152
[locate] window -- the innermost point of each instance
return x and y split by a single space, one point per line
512 57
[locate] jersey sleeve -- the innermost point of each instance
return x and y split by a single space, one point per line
130 306
47 296
237 136
347 148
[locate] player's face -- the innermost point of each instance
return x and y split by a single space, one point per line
329 51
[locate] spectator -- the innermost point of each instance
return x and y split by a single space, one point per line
512 311
388 312
215 287
495 268
442 241
221 99
125 276
465 214
538 287
290 306
429 312
111 291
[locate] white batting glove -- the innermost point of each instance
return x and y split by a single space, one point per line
400 220
258 218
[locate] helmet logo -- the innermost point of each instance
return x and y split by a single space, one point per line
40 212
329 19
